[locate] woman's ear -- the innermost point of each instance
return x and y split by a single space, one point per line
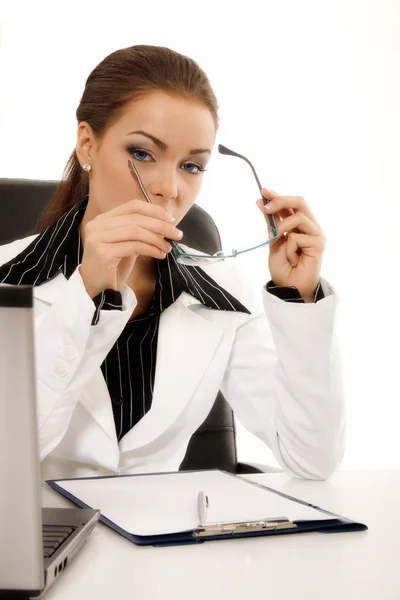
84 143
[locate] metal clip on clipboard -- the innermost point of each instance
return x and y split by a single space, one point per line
234 527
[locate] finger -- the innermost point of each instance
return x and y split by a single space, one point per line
269 194
296 203
282 214
299 243
138 207
275 218
279 216
268 218
127 249
152 224
134 233
285 212
299 222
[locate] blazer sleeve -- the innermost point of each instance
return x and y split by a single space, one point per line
69 351
283 382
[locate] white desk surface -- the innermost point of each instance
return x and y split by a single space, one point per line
312 566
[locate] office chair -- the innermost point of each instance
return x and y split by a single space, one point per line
213 445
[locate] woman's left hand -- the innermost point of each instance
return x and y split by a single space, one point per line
295 259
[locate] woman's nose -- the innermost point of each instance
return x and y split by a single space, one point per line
164 186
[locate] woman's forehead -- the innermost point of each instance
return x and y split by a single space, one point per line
170 117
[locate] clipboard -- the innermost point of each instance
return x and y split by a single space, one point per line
189 507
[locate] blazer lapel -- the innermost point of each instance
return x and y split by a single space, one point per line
186 345
96 399
49 290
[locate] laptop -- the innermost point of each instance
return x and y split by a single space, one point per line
36 544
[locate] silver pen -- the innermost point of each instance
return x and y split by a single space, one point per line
202 506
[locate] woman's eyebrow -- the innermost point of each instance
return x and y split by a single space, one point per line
164 146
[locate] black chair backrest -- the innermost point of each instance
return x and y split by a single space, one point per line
213 445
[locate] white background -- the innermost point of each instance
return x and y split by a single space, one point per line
309 91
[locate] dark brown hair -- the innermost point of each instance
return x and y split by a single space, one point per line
123 76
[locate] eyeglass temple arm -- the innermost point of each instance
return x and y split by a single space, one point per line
132 167
224 150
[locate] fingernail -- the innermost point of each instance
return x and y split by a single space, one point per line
267 206
170 218
168 246
180 233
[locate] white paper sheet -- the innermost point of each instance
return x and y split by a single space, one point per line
167 503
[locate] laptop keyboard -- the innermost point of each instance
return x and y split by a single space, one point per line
53 537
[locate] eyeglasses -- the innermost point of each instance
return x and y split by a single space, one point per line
196 258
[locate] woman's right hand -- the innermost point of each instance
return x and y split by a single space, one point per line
114 240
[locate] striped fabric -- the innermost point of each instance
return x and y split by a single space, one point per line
129 367
292 294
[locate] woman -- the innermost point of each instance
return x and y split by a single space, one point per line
132 348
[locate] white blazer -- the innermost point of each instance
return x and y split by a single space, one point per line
277 368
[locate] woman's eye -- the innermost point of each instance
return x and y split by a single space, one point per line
191 170
140 154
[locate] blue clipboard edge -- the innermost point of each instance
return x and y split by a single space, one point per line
327 512
336 524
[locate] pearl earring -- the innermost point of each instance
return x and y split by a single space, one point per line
87 167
